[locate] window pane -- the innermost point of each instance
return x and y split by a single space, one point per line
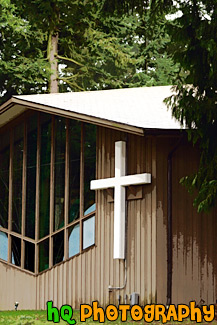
74 240
4 178
31 176
58 248
89 167
17 178
29 256
91 209
3 246
44 255
88 232
16 250
44 206
59 172
74 169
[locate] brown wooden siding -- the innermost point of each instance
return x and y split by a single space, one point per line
86 277
194 235
16 285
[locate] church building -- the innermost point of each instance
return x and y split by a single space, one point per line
91 205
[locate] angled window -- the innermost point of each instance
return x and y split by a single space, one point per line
31 162
44 255
88 232
4 179
3 246
59 172
47 211
29 256
45 160
16 250
17 178
74 239
58 247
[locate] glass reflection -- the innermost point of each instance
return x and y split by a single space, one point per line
58 248
17 178
16 250
31 176
44 255
88 232
3 246
89 166
59 172
29 256
44 205
74 240
4 178
74 169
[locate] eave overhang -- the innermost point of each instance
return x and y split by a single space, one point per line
14 107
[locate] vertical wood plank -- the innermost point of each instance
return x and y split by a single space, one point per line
102 222
149 230
154 223
82 184
138 223
99 216
92 275
73 281
88 276
79 283
111 219
60 287
107 217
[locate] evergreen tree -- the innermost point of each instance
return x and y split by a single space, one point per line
191 27
193 34
80 45
23 68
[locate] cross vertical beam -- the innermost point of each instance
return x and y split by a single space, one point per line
119 183
119 201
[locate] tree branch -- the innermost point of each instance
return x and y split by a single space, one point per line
68 59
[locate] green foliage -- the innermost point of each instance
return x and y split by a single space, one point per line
117 51
98 46
23 68
194 39
26 317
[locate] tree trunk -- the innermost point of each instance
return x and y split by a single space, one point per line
52 52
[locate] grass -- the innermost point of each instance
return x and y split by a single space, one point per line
25 317
32 317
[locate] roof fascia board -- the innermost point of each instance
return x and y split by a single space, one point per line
82 117
5 106
164 132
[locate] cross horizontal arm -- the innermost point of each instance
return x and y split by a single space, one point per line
101 184
128 180
137 179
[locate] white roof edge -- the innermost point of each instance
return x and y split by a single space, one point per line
142 108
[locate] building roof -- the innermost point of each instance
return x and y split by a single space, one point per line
133 109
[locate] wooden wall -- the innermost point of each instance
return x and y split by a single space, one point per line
86 277
194 235
16 285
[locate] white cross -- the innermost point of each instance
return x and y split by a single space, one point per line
119 182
